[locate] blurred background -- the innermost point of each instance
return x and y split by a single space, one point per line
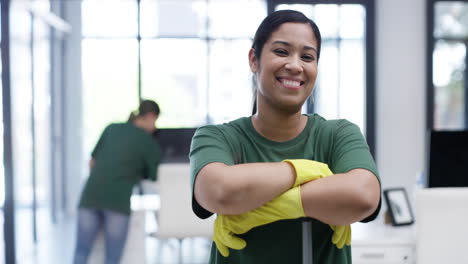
396 68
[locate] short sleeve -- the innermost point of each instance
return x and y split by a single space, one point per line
350 151
208 145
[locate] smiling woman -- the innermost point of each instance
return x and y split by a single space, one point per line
261 174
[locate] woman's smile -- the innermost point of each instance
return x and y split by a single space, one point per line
290 83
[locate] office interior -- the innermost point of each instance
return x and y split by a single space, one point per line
396 68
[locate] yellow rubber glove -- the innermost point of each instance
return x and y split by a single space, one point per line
286 206
308 170
341 235
225 239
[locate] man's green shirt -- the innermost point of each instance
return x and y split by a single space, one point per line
123 155
338 143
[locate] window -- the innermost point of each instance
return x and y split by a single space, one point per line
195 63
190 56
109 84
447 85
109 65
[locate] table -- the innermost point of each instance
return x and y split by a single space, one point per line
379 243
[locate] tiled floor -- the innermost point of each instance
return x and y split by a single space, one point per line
58 249
194 251
173 251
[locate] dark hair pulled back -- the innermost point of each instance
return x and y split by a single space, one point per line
146 106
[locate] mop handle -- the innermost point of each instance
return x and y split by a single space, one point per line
307 241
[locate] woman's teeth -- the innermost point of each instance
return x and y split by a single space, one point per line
291 83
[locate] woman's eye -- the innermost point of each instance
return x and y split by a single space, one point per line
281 52
308 58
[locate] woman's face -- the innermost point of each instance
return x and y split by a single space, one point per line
287 69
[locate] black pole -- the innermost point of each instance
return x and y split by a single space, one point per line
271 6
9 205
139 185
139 50
371 73
428 63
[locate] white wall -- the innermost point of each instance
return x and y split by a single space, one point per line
401 91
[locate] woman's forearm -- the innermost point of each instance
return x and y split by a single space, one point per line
341 199
237 189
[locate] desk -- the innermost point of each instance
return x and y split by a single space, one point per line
379 243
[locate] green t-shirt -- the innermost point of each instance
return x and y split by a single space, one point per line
123 155
339 143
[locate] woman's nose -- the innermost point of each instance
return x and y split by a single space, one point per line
294 65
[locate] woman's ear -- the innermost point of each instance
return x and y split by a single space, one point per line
253 61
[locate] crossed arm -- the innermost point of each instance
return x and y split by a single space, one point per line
340 199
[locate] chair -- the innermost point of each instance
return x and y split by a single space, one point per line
176 218
441 225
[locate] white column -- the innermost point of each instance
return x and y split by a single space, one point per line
401 91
